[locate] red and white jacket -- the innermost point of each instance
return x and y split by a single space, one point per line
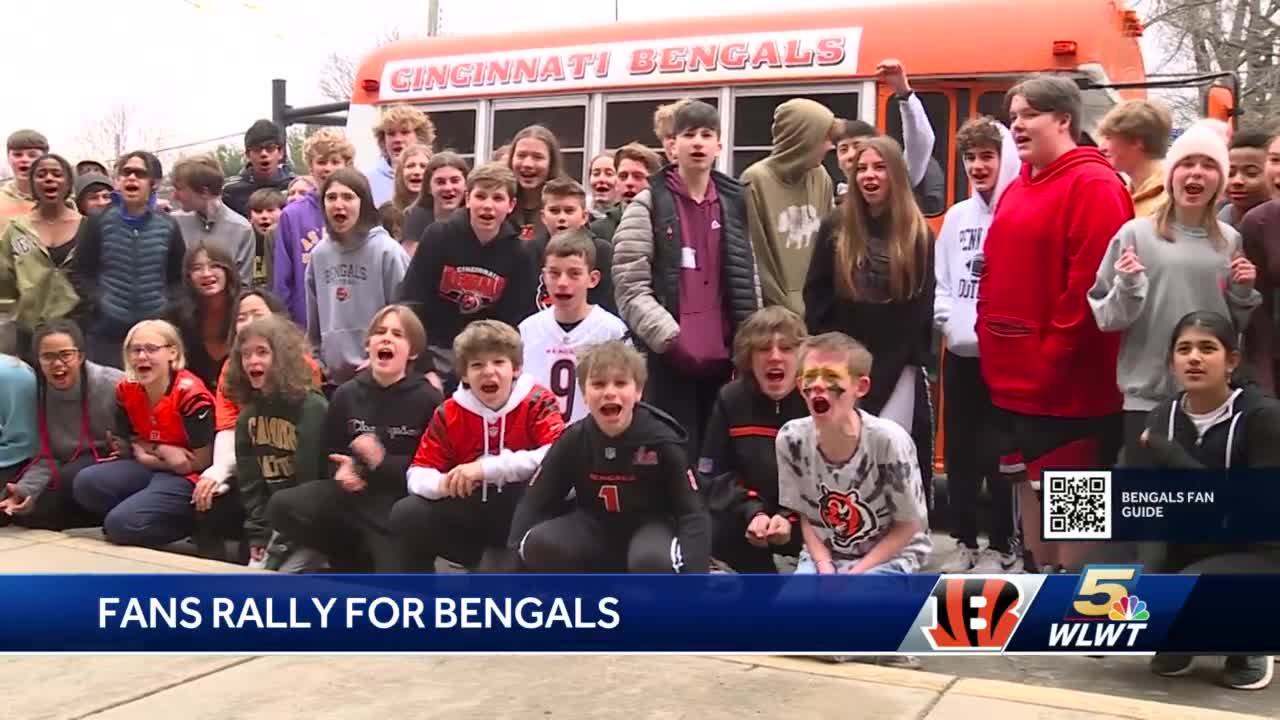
509 442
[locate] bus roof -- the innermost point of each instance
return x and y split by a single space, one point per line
933 38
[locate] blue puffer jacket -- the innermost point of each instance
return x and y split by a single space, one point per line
129 267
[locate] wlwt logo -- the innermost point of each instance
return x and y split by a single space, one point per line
1105 612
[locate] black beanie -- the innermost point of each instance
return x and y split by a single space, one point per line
263 132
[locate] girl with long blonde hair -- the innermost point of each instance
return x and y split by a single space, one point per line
872 278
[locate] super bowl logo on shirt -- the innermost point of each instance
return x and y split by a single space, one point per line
471 288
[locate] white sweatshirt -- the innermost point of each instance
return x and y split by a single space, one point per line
958 257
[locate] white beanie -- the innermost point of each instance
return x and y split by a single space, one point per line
1199 139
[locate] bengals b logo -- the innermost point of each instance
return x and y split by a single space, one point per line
973 613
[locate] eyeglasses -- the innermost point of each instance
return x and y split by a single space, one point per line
146 349
140 173
64 356
266 147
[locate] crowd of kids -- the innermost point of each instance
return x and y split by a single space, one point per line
668 371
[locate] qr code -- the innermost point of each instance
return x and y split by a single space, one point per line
1077 505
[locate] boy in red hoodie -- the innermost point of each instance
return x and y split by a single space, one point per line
480 449
1045 360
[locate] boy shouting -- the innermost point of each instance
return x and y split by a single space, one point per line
636 501
852 477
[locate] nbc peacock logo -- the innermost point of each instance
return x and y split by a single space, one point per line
1130 608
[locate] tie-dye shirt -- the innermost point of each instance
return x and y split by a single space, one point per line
852 504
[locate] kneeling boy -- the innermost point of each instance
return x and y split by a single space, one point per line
637 505
852 477
494 431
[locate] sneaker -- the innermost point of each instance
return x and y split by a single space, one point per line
1171 665
1248 672
959 561
994 562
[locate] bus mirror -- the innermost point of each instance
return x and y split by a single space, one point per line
1220 103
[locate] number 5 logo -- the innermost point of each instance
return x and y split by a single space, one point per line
1109 582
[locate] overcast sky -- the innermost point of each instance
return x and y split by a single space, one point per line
196 69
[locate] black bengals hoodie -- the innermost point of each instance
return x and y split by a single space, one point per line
624 481
453 279
398 414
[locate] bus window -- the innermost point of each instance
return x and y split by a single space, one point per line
568 123
753 125
992 103
627 121
456 131
938 107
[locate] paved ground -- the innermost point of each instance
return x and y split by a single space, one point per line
317 688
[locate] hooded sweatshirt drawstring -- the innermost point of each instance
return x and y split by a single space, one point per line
501 421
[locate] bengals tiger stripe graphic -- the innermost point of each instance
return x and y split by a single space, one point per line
974 613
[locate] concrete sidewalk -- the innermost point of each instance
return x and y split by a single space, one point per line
377 687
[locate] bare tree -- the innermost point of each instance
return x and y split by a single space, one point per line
117 131
1240 36
338 76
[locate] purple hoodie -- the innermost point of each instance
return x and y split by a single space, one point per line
300 228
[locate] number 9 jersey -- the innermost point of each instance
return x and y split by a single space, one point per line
551 352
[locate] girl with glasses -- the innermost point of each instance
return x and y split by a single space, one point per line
75 412
164 418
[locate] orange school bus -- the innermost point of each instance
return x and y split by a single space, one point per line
597 87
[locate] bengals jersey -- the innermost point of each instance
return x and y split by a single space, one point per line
183 417
551 353
509 442
624 481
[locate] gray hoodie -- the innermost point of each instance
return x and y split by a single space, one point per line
63 418
347 284
1179 277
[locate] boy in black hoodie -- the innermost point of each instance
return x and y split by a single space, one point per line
470 267
373 426
637 504
739 461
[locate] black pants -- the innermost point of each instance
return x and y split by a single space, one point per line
973 455
468 531
222 522
729 543
1135 421
351 529
580 542
687 399
56 508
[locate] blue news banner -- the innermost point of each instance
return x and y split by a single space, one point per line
1114 608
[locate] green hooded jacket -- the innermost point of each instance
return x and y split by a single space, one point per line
789 193
40 289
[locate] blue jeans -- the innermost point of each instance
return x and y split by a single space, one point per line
139 506
896 566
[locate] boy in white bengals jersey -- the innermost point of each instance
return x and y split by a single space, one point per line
553 337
